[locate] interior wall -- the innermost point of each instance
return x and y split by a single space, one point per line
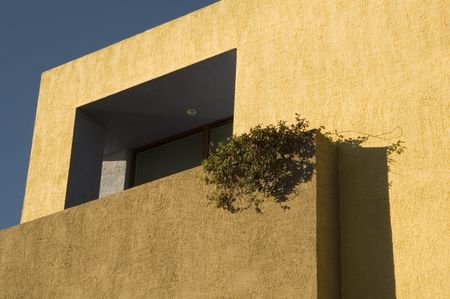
86 161
115 173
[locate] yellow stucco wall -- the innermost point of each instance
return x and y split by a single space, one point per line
375 67
162 240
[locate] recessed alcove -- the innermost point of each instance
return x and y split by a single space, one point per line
108 131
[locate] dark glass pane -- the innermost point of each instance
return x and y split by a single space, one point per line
220 135
168 158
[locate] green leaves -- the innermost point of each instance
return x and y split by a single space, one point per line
265 163
268 162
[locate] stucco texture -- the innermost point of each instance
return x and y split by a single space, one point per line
162 240
371 67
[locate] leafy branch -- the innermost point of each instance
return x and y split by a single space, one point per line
268 163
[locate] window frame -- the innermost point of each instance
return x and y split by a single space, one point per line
206 129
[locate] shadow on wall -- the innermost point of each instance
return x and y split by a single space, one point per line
367 267
86 161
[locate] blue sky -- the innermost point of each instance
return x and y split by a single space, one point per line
39 35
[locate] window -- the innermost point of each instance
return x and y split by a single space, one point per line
178 153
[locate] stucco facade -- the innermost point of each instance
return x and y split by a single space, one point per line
377 68
162 240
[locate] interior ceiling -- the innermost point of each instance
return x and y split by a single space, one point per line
157 109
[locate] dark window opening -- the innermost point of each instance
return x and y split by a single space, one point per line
178 153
